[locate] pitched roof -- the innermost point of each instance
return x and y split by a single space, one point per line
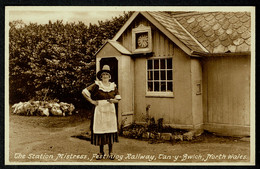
217 32
201 32
171 24
117 46
161 27
220 31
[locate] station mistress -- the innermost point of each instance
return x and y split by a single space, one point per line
104 126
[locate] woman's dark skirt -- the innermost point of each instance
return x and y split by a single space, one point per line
102 139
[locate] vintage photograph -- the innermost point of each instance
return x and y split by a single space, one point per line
129 85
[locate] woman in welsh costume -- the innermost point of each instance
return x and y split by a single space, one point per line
104 127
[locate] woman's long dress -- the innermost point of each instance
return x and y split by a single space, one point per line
101 93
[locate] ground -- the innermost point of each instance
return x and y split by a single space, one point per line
50 139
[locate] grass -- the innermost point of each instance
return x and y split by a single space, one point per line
54 121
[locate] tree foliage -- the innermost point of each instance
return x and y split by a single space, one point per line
55 60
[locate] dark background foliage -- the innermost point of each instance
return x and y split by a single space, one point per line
55 60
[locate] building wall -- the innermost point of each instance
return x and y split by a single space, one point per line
226 97
197 90
177 110
108 51
223 105
126 89
125 81
162 46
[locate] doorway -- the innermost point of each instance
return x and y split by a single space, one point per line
113 64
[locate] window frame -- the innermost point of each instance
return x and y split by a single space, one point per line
158 93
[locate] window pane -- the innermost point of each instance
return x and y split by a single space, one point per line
159 75
163 86
156 75
163 75
156 86
150 86
150 64
169 86
156 64
169 63
169 74
162 63
150 75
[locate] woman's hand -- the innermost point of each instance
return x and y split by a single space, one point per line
94 102
112 100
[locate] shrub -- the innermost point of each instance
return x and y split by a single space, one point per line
55 60
137 130
134 131
43 108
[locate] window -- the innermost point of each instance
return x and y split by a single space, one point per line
159 77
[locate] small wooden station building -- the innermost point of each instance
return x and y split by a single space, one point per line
190 68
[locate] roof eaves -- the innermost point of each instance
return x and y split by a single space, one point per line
205 54
101 47
119 47
190 13
116 45
124 27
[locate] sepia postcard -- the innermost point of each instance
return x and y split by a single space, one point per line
129 85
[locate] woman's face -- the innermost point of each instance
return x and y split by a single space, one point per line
105 76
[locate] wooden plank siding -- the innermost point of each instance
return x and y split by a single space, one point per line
162 46
205 91
224 105
176 111
196 78
226 90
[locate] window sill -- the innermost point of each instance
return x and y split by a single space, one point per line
159 94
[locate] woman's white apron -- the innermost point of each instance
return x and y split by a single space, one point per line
105 118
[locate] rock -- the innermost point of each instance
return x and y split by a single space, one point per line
22 108
178 137
56 111
152 135
158 136
126 133
43 111
188 136
191 134
166 136
18 108
146 135
198 132
247 139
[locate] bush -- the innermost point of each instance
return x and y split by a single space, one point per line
137 130
55 60
43 108
134 131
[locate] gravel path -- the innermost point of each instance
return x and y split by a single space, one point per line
49 139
